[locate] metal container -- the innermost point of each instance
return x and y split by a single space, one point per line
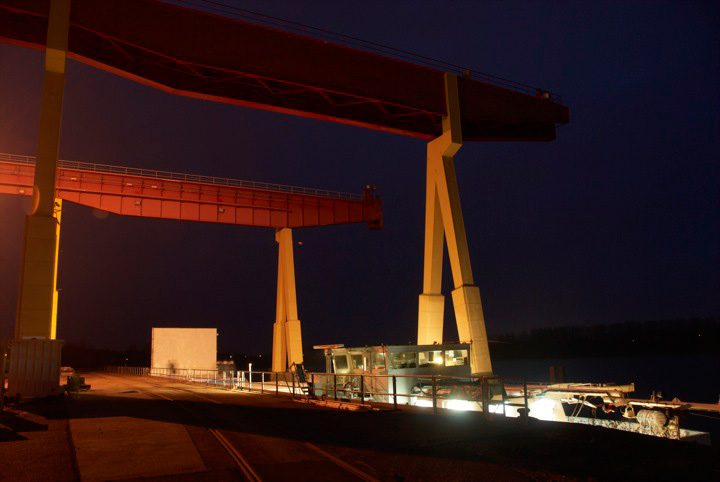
34 370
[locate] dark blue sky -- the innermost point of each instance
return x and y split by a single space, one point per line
618 219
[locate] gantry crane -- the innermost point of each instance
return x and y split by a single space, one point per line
186 52
170 195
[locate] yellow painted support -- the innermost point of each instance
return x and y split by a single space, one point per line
36 315
287 335
58 217
443 216
279 350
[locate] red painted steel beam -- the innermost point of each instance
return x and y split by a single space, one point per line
195 54
164 195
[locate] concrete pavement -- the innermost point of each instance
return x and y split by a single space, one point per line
133 427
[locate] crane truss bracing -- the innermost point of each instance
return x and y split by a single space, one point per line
192 53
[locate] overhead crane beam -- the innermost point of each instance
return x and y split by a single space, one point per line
195 54
169 195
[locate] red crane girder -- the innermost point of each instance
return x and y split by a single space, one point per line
168 195
192 53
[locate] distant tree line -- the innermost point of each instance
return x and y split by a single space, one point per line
680 336
695 335
81 356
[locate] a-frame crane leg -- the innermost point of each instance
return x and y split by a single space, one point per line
443 215
287 336
36 315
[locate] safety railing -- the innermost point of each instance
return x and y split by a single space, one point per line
250 380
127 370
175 176
235 379
485 393
488 394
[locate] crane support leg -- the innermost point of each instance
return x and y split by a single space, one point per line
279 349
432 302
287 336
443 215
36 315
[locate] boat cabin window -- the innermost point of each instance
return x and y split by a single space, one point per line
430 358
456 358
357 362
378 361
403 359
341 362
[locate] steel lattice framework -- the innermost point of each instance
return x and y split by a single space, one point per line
192 53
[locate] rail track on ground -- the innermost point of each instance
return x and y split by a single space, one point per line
250 451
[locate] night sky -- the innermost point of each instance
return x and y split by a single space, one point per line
616 220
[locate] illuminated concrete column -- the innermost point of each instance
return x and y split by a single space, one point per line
287 335
279 348
37 297
444 216
432 303
56 293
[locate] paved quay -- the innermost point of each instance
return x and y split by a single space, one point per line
146 428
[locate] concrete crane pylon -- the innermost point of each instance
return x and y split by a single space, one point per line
444 220
287 336
37 295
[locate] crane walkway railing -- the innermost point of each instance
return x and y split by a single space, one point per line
181 177
487 394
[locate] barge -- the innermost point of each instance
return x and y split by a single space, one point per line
439 376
